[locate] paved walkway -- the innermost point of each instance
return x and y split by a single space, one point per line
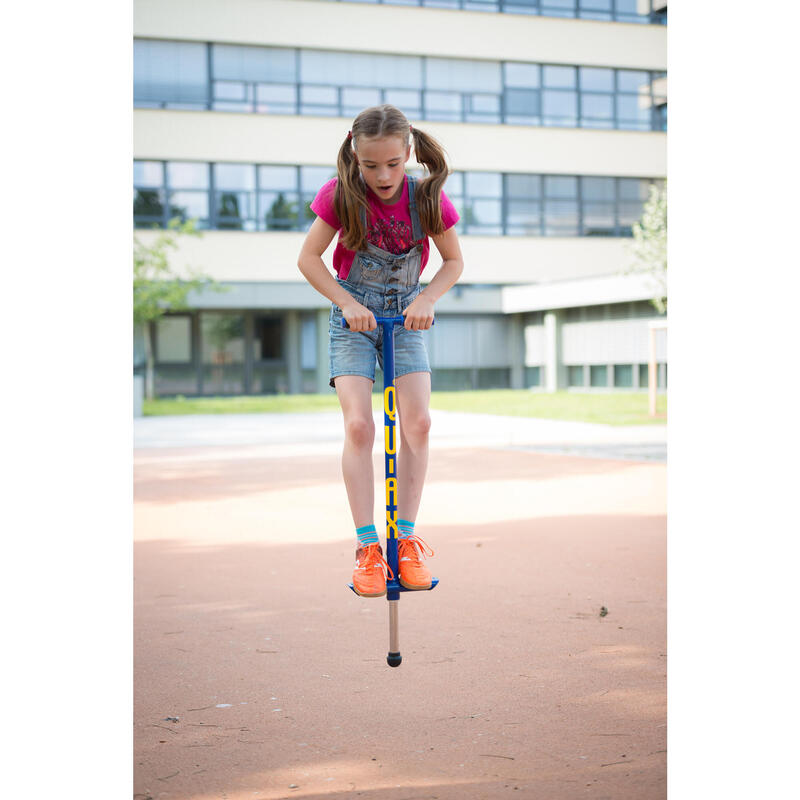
536 669
298 434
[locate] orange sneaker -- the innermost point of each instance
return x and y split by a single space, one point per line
369 576
413 573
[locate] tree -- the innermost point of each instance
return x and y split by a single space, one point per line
157 289
650 244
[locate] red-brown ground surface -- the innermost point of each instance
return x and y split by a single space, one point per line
512 683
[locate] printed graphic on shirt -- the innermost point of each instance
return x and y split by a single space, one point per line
390 234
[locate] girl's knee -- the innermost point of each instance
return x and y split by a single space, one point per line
417 426
360 431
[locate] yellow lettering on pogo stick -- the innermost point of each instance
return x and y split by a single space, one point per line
391 508
388 430
388 401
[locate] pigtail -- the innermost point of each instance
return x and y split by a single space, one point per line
429 190
350 197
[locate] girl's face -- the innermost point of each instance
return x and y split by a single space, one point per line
382 163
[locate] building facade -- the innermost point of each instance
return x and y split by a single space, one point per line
553 115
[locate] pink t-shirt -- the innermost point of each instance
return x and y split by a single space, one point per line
388 226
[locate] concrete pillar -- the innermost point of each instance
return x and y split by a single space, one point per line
291 326
323 365
516 354
554 370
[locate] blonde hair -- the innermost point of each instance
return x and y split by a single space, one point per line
351 191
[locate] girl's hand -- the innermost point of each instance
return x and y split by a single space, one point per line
419 315
359 317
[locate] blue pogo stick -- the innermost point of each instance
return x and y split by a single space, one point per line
393 586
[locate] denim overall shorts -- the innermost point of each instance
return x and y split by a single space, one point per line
386 284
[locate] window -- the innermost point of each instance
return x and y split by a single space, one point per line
268 338
483 205
222 352
187 191
248 78
275 80
148 193
598 206
598 375
235 197
524 205
561 205
170 74
623 375
575 376
278 199
173 341
252 197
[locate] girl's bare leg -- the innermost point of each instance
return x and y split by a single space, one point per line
355 398
413 399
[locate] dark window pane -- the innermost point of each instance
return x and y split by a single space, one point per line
599 375
268 338
575 375
623 375
148 205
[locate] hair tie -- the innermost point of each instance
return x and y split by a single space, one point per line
349 135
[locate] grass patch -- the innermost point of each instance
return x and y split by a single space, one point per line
609 408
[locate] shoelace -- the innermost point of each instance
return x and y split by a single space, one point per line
373 556
418 546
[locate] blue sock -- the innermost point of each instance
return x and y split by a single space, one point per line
367 535
406 528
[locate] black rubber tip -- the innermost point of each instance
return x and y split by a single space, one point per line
394 659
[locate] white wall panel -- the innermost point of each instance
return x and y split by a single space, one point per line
382 28
272 139
609 342
535 352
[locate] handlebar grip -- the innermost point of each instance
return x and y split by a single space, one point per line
383 320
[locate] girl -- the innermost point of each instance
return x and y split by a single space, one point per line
384 219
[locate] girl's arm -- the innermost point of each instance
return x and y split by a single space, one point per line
419 315
316 273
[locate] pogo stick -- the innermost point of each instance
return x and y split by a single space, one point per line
393 585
